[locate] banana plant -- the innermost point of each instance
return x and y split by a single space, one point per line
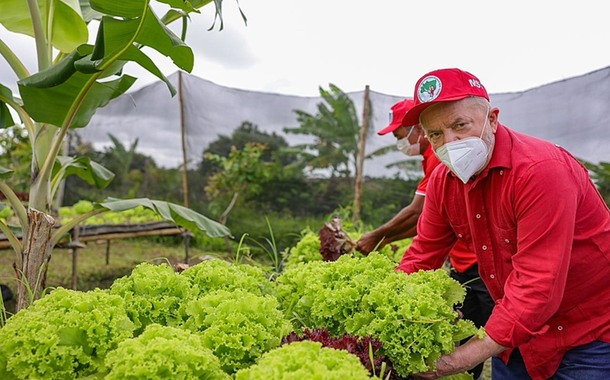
73 80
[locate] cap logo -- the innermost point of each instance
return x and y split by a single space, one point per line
429 89
391 116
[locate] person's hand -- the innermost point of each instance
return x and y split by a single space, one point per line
368 242
445 366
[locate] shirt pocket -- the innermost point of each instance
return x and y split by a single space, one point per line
462 232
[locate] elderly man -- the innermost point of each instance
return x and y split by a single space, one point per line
478 304
537 224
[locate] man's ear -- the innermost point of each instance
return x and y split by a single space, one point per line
493 118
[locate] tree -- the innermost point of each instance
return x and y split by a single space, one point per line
243 173
336 132
75 78
246 133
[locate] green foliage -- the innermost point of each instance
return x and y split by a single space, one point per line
246 133
64 335
242 173
164 353
6 212
212 275
413 315
16 154
336 132
82 207
131 216
305 360
306 250
153 294
326 294
238 326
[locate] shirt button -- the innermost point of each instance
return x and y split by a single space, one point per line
492 276
484 248
478 216
460 236
501 172
506 241
559 328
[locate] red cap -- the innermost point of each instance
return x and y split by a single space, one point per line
444 85
397 113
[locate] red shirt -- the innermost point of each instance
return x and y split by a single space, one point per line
461 258
541 233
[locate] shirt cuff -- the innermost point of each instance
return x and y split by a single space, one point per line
507 331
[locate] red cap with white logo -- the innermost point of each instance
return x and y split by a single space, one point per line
397 113
444 85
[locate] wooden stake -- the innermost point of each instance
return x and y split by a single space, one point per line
360 163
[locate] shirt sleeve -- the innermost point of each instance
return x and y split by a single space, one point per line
434 238
545 207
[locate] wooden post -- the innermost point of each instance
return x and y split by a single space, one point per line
74 249
74 252
360 159
107 251
187 244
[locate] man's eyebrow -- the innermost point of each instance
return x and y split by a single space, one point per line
459 120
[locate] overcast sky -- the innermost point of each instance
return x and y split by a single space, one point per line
292 47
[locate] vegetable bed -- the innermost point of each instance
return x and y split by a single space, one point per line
348 319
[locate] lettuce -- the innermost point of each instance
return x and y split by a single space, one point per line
306 250
64 335
305 360
164 353
364 348
211 275
413 315
327 294
153 294
239 327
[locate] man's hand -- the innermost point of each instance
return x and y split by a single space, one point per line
445 366
368 242
465 357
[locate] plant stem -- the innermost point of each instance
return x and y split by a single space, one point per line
12 238
50 18
64 229
47 167
39 35
13 61
17 206
23 115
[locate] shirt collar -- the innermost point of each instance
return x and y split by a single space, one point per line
501 157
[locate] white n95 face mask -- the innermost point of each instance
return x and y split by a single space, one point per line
406 147
464 157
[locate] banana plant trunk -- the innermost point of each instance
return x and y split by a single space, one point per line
31 266
36 254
